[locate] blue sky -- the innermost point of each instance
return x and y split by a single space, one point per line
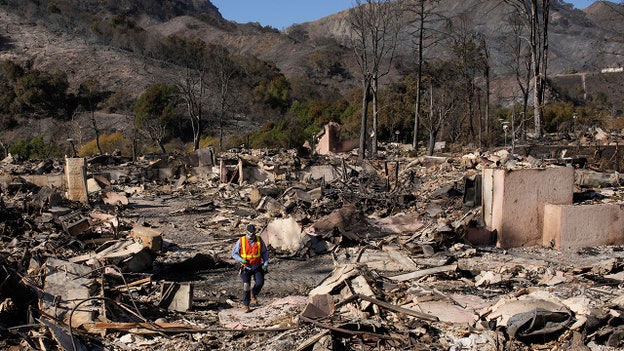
281 14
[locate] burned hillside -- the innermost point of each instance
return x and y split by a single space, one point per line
395 253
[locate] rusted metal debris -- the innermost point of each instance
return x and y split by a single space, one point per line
377 255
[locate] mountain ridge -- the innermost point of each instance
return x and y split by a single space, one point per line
583 50
63 36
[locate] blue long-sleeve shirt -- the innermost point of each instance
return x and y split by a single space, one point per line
264 253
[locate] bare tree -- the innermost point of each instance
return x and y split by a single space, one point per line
485 126
223 71
89 88
375 27
535 15
468 48
154 129
422 12
520 64
5 150
76 130
442 102
192 88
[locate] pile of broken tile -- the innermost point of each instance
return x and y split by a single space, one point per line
402 260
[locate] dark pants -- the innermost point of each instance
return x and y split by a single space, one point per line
246 275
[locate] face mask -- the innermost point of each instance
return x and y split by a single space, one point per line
251 237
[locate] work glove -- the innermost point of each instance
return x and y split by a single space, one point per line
265 269
243 261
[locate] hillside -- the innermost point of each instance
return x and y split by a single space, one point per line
580 40
54 45
66 36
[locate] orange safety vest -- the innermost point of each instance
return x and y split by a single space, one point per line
251 252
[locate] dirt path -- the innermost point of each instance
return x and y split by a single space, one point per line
189 232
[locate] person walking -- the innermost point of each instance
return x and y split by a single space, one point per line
253 256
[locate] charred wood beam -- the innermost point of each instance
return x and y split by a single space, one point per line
364 334
313 340
424 272
177 328
388 306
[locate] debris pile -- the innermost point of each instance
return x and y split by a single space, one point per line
377 255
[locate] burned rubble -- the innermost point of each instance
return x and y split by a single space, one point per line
386 254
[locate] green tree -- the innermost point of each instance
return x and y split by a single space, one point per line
558 117
9 74
311 116
12 71
40 93
154 112
35 148
32 92
274 92
283 134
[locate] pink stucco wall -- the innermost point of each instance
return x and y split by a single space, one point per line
578 226
514 201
